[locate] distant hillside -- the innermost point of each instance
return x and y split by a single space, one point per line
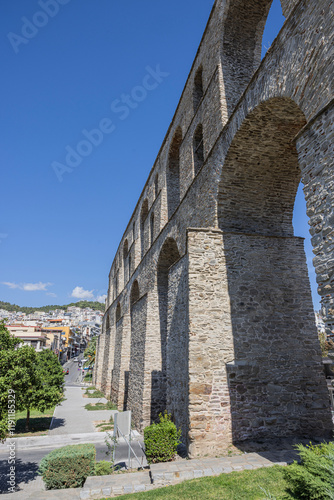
97 306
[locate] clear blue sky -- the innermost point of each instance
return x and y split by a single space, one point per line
61 79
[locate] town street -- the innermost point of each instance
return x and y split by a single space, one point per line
71 424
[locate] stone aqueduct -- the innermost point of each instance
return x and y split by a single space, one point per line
209 312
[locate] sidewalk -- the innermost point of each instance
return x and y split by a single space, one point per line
70 417
71 424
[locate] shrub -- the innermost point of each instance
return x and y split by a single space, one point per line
161 440
104 468
313 478
68 467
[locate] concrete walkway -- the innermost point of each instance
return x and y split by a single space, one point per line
70 417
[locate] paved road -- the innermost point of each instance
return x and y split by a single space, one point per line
75 377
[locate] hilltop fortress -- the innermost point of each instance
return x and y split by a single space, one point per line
209 312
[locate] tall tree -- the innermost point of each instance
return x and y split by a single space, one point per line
36 379
50 391
90 351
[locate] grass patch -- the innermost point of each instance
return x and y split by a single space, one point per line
88 377
243 485
92 392
105 426
39 422
101 406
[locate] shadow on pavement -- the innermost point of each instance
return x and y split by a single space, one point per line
24 473
276 449
57 422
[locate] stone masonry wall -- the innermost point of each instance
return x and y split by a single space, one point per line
276 381
137 360
116 365
255 362
210 344
317 164
178 346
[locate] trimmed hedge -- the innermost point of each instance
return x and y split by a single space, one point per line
68 467
161 440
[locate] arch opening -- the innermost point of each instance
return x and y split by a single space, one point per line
261 173
118 312
242 45
198 148
125 249
270 300
125 255
138 315
198 88
173 173
143 217
169 254
152 228
156 185
134 296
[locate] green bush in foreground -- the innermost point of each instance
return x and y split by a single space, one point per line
313 478
104 468
68 467
161 440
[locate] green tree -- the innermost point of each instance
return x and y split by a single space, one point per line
22 376
50 391
8 343
90 351
43 381
36 379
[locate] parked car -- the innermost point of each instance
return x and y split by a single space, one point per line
75 359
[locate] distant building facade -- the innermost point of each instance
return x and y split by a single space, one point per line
30 335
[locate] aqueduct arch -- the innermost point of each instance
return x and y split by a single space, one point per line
169 254
268 286
138 315
222 332
261 174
